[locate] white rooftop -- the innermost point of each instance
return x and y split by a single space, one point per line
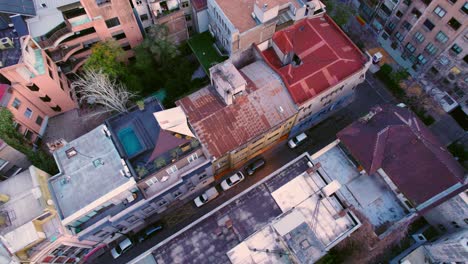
47 16
310 225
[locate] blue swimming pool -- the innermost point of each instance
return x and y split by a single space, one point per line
130 141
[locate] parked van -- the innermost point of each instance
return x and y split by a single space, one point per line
207 196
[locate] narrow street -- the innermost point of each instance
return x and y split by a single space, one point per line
368 94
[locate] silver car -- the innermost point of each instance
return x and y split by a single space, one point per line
232 180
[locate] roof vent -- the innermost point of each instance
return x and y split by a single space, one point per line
71 152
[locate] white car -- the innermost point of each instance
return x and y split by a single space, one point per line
233 180
295 141
121 248
207 196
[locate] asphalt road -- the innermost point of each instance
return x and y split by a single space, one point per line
368 94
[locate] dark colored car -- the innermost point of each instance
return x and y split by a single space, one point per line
254 165
149 231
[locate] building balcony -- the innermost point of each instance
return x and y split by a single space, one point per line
79 20
72 65
56 35
64 52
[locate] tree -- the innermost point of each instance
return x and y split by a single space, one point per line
107 57
12 137
97 87
159 45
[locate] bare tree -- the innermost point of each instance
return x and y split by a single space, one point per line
95 87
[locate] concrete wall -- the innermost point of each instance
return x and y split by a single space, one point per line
202 21
15 159
451 215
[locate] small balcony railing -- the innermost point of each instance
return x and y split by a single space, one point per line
64 52
61 31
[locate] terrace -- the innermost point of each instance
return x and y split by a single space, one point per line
64 52
148 147
203 47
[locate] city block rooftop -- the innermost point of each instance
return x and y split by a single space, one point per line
151 140
312 56
287 216
239 106
90 169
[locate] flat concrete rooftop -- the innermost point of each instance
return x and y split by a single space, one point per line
283 206
89 172
368 193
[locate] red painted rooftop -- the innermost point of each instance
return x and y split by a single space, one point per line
199 4
328 56
395 140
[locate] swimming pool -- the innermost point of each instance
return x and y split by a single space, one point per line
130 141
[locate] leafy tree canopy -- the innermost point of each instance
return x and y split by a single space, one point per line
107 57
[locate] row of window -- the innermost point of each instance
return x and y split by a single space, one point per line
28 113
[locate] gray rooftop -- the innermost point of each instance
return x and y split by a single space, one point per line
88 175
22 7
24 204
261 218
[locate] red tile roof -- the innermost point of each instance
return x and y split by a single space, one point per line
199 5
328 56
222 128
395 140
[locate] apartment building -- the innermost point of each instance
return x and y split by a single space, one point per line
116 176
238 24
243 112
389 156
416 32
30 228
175 14
36 90
68 29
449 71
319 65
161 152
12 161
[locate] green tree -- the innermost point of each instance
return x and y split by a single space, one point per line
159 45
108 57
12 137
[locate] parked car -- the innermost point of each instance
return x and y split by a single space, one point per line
207 196
121 248
295 141
232 180
149 231
255 165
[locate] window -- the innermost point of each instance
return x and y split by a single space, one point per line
28 113
162 203
464 8
185 4
144 17
102 2
113 22
441 37
457 49
391 25
429 25
177 194
431 48
45 98
126 46
410 47
39 120
188 17
399 14
407 2
192 157
120 35
16 103
132 219
151 181
33 87
465 59
453 23
421 59
172 169
440 11
406 25
51 74
28 134
419 37
56 108
452 1
399 36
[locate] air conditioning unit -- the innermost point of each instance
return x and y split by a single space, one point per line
6 43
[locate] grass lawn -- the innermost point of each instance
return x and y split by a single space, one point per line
202 46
